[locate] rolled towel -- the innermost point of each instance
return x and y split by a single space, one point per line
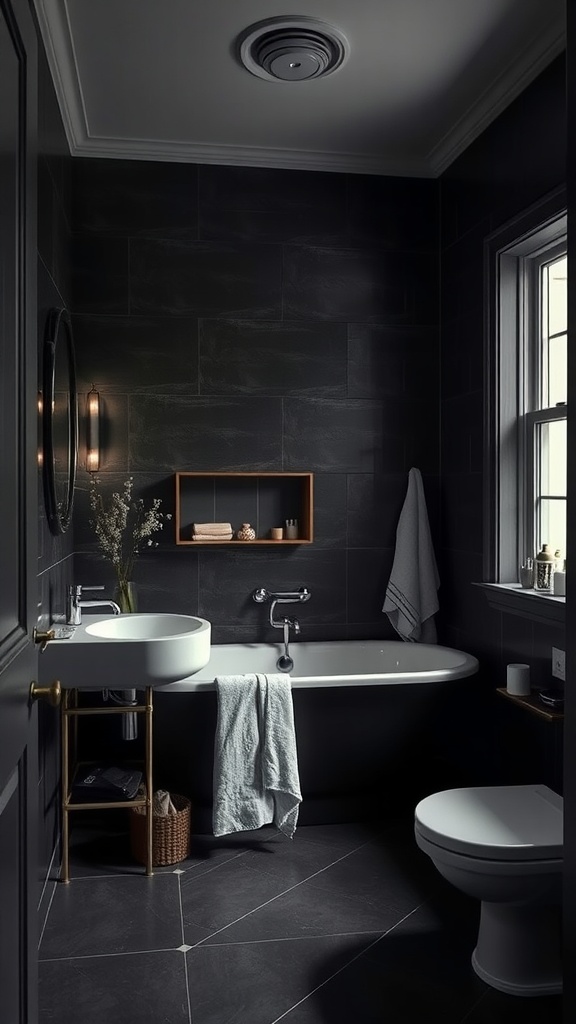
212 528
162 803
211 537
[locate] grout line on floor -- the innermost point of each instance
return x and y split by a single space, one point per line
186 978
47 915
346 965
278 895
290 938
473 1007
102 956
109 876
193 870
48 878
181 909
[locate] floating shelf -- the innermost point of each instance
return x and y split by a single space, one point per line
532 703
265 500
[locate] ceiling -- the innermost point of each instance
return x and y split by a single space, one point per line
161 80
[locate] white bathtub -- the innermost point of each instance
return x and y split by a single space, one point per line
337 663
371 722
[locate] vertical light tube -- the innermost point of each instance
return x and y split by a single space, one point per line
93 431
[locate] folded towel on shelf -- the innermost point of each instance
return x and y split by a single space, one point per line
212 536
255 760
214 529
411 599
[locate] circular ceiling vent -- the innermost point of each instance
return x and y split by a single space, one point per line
292 49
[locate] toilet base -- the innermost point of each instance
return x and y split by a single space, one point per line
519 949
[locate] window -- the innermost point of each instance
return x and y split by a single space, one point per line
526 389
545 395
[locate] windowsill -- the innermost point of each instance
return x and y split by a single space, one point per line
529 604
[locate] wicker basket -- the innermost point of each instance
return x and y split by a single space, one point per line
170 833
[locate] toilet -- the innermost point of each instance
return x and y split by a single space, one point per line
503 845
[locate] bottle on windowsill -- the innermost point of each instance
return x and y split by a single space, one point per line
559 581
526 574
543 570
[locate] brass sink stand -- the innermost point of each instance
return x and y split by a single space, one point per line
70 712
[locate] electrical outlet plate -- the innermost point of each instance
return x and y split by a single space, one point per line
558 663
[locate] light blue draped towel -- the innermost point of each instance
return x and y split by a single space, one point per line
256 778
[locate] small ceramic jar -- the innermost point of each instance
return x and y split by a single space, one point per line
246 532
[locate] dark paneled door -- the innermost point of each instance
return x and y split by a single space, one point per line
18 515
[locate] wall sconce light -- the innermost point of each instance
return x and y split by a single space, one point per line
93 431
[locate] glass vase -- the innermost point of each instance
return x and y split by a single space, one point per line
125 596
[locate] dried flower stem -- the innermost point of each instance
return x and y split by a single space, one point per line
123 526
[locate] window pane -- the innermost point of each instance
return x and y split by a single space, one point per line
557 307
553 361
558 369
552 524
551 457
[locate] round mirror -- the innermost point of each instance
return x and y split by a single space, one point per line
60 420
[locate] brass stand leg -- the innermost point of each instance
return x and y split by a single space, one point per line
65 869
149 794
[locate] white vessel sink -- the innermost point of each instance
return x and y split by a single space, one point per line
125 651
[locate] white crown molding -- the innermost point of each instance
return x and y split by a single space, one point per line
57 37
506 87
247 156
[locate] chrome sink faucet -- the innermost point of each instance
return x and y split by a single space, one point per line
75 604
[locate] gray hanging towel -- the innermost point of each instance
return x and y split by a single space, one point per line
411 599
255 762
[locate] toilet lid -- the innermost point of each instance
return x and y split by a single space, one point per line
494 822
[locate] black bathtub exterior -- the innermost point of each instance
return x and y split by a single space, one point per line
363 752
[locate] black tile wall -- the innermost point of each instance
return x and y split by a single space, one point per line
250 204
238 319
514 163
55 554
100 274
127 347
272 358
203 278
161 200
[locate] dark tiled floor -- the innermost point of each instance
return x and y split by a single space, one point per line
345 923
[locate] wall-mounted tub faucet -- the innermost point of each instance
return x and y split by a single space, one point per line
285 662
283 596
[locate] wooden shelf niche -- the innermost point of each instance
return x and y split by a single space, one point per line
264 500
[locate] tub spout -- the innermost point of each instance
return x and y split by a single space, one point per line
285 662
